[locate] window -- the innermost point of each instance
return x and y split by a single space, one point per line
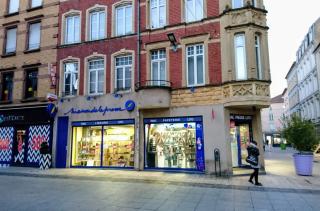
31 83
258 56
123 72
237 4
240 57
13 6
72 32
157 13
158 67
34 36
107 146
254 3
97 25
70 78
11 40
195 65
96 76
7 86
124 20
194 10
36 3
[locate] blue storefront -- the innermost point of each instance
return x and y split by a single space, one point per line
174 143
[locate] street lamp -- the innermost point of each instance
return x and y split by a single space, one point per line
173 41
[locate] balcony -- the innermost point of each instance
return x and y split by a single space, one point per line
247 94
153 94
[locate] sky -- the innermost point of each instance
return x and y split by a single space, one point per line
289 21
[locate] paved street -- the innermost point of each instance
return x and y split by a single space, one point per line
30 193
87 189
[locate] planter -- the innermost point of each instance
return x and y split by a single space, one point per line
303 164
283 146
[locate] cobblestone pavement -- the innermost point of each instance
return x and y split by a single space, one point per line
32 193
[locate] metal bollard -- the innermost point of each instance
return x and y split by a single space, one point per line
217 161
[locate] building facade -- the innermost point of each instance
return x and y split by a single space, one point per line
160 84
28 43
303 78
272 119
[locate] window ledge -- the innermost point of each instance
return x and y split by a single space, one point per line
11 14
31 51
65 45
4 102
31 99
34 8
8 55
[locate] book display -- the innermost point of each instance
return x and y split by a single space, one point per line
116 142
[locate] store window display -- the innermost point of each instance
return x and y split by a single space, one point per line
171 145
103 146
86 150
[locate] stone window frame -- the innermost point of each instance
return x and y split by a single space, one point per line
28 35
201 39
96 7
4 52
158 46
247 47
114 19
71 12
122 52
148 15
183 12
61 75
86 86
263 54
8 7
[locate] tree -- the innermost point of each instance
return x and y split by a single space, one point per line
300 133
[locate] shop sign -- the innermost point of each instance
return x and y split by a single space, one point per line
173 120
10 118
240 117
129 106
107 122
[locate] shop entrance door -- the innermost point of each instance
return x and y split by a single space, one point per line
243 139
19 147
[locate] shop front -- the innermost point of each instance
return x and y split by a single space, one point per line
241 134
96 132
22 130
174 143
103 144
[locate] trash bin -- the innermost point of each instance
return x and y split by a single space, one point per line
283 146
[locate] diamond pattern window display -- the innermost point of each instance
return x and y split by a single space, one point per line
6 142
37 135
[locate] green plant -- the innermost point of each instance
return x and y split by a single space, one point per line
300 133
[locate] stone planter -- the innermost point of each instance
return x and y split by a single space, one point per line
303 164
45 161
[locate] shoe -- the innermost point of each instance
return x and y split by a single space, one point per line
258 184
250 181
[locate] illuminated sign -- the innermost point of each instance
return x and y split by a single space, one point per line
10 118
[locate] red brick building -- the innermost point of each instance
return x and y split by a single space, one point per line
159 84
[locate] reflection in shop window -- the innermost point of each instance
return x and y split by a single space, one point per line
171 145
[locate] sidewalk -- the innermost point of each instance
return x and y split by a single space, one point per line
279 167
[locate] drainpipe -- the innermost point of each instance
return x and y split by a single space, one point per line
138 159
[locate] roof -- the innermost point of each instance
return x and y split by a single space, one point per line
291 68
277 99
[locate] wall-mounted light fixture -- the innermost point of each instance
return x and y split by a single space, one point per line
173 41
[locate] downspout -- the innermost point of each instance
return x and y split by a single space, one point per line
137 147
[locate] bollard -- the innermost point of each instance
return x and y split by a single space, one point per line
217 161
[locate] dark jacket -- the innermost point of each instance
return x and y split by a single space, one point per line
253 151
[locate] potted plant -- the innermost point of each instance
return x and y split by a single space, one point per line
302 135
